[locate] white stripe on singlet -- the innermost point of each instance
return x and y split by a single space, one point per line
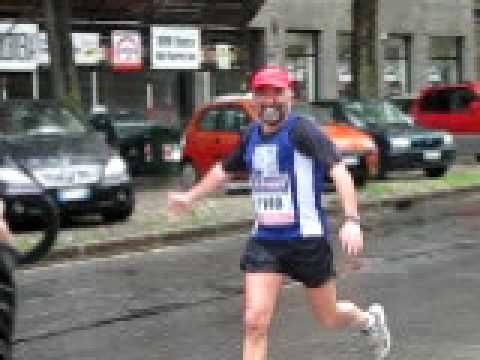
310 223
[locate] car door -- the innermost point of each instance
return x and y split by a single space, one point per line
462 112
231 121
433 109
203 141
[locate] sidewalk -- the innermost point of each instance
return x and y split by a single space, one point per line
149 226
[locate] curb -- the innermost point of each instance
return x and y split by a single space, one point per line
188 236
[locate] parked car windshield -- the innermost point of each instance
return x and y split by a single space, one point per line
38 119
380 113
321 114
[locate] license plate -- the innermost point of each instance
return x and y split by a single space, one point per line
432 155
350 160
74 194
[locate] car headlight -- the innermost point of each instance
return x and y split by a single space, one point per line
116 171
400 143
448 139
16 182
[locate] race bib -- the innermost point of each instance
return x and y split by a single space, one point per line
273 200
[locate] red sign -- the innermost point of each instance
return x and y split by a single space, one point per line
127 50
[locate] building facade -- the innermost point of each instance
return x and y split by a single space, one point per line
420 42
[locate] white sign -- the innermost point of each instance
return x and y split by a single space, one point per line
175 48
223 55
18 47
126 50
86 48
43 56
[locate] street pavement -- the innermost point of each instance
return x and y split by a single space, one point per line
184 302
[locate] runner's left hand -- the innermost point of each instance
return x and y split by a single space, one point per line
351 237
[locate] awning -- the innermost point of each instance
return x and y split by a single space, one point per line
233 13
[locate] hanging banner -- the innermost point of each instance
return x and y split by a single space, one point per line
86 48
175 48
18 47
126 50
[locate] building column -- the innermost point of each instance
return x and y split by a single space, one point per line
202 88
274 33
420 61
468 54
327 64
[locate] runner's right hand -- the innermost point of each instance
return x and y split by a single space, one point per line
179 203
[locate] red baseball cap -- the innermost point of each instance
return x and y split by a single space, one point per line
273 75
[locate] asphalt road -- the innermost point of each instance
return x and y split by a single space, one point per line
184 303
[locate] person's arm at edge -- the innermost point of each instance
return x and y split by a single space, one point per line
5 233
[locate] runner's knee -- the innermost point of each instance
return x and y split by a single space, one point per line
256 322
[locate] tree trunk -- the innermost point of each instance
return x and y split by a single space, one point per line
63 72
364 48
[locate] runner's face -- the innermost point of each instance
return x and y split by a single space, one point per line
273 104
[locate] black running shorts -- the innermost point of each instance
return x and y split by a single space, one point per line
309 261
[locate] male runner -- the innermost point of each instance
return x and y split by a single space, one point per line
288 159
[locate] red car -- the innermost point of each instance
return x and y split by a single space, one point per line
455 108
214 131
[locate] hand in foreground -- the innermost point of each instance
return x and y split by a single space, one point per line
351 237
178 203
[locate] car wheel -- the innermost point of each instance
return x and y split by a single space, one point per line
118 213
435 172
360 180
189 175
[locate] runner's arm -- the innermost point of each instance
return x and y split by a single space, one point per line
221 172
216 176
345 189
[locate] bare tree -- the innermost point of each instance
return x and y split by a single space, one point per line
64 74
364 48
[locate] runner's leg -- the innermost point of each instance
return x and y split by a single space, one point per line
261 292
335 314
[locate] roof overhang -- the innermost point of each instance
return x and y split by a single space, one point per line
234 13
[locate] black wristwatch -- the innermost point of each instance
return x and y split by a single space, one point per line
353 219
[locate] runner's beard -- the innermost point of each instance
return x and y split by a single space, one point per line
272 115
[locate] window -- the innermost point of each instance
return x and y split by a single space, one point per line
396 70
446 56
447 100
209 120
232 119
301 57
344 65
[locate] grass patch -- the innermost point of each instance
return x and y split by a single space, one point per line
453 179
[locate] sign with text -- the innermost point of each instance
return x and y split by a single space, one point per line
175 48
86 48
126 50
18 47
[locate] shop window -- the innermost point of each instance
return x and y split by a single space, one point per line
446 60
301 58
397 68
344 65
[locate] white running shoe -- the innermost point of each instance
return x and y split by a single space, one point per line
378 331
